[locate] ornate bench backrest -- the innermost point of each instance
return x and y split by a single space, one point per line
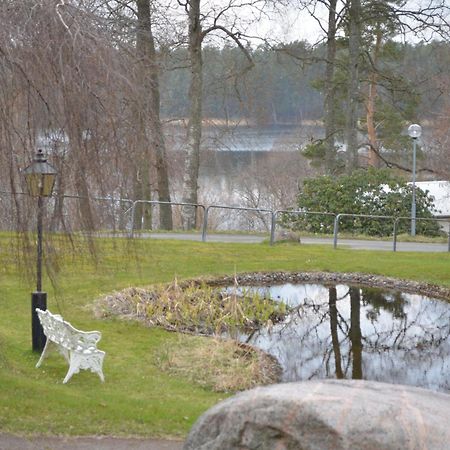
54 327
63 333
82 340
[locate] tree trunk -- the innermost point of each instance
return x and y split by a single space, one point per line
355 333
194 132
137 194
84 203
332 299
74 111
57 221
80 159
354 45
145 47
142 191
147 222
370 117
330 91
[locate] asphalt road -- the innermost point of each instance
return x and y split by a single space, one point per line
12 442
347 243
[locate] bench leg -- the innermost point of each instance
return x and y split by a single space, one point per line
46 350
100 374
92 362
74 367
96 365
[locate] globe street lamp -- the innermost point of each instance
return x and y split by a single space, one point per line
40 177
414 132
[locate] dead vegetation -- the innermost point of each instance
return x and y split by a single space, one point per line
193 308
214 358
217 364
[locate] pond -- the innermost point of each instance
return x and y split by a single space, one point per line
358 332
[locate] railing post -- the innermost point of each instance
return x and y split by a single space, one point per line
394 244
202 207
336 230
272 227
448 247
205 224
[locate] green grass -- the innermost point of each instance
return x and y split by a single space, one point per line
137 397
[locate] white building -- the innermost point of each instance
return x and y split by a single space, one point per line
440 192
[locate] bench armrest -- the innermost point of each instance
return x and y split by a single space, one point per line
84 340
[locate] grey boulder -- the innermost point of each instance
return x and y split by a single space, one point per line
326 415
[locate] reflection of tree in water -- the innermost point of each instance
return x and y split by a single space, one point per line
354 332
332 296
349 332
393 302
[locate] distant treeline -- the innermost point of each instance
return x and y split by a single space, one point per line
284 85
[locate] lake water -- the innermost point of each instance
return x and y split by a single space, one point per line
360 333
247 138
255 167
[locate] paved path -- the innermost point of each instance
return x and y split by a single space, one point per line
11 442
348 243
381 245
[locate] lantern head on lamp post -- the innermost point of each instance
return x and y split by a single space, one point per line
40 177
414 132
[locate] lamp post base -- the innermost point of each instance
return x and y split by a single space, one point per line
38 300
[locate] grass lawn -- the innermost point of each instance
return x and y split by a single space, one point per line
137 397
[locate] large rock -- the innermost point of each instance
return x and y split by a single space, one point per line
329 415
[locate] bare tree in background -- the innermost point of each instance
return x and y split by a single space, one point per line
194 131
382 20
335 11
196 36
365 26
330 88
150 141
354 50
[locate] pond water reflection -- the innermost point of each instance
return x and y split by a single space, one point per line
353 332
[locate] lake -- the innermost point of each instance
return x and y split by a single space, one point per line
256 167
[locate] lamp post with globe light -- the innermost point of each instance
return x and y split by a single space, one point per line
40 178
414 132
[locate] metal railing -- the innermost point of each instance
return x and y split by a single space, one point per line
297 212
362 216
273 215
237 208
425 219
156 202
396 220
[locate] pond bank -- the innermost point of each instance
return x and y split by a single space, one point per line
362 279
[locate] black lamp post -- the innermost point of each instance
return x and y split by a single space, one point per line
40 177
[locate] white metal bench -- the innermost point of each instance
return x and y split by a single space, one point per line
79 348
